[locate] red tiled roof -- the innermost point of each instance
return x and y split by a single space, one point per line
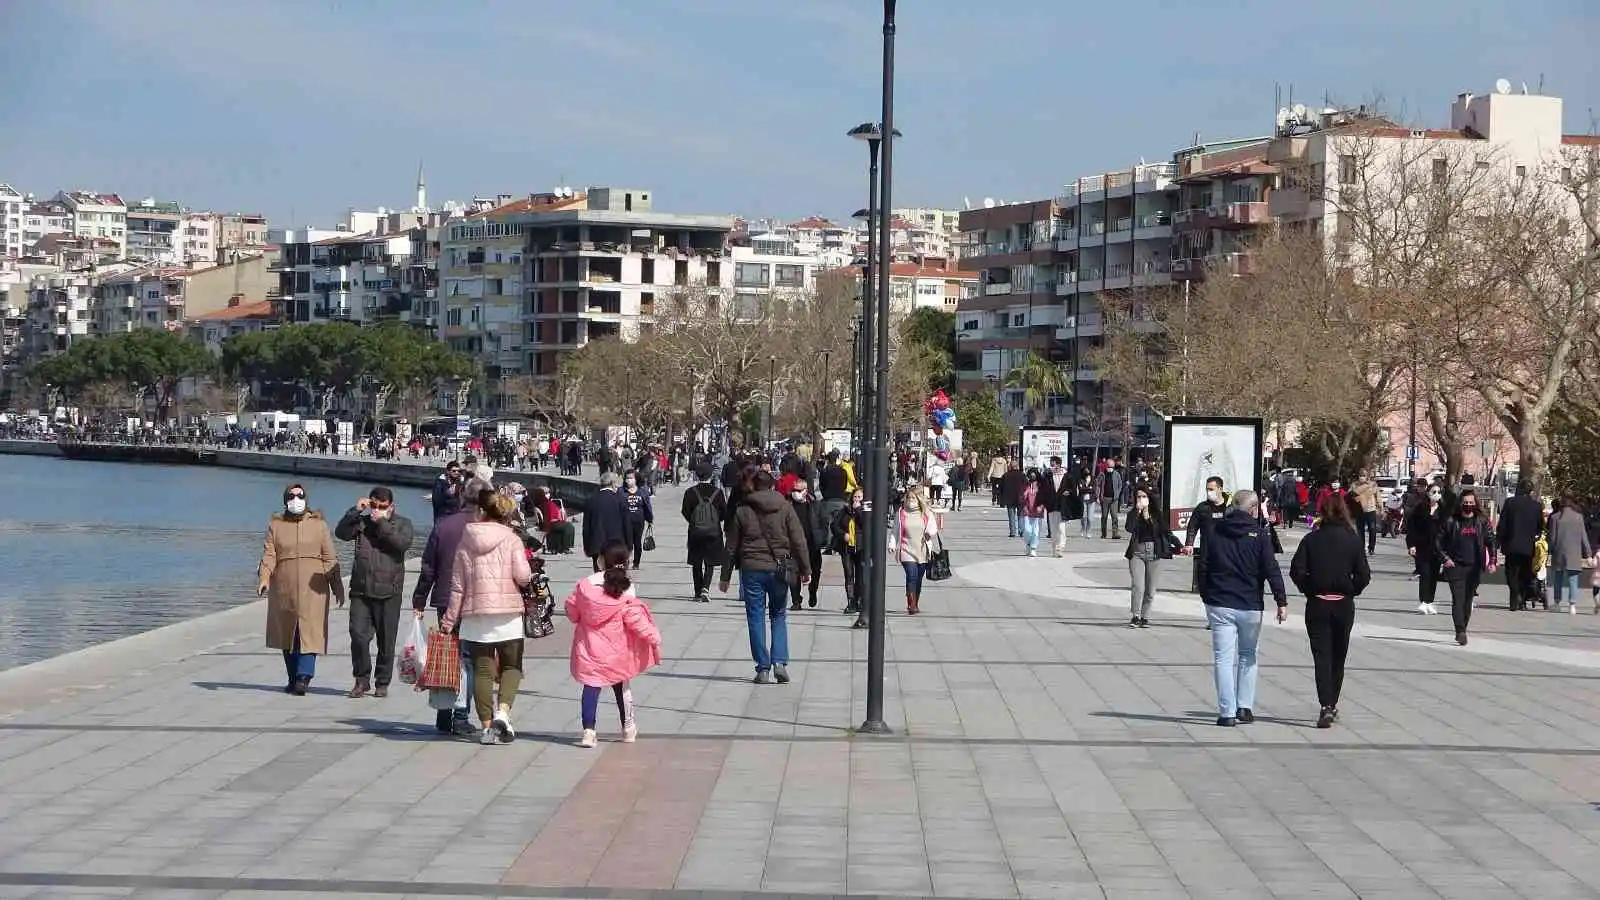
535 203
813 222
1581 140
247 309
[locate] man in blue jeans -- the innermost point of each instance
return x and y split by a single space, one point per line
1238 562
767 544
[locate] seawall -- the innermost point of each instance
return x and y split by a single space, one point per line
573 492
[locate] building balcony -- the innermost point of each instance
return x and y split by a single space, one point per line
1152 272
1188 269
996 289
1067 284
1289 203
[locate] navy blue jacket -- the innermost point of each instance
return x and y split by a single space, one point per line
1238 562
605 518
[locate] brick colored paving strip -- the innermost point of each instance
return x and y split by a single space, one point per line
629 822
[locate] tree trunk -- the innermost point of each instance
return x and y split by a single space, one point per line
1444 420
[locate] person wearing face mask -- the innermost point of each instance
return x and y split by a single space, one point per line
1422 539
847 527
1521 521
377 586
1149 542
1331 489
917 527
641 513
298 573
815 526
1467 548
1203 521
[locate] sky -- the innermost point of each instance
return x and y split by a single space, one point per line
300 109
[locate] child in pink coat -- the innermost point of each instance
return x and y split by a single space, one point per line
614 639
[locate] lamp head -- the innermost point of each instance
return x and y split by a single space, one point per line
861 214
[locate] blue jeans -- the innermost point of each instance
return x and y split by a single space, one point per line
766 597
1030 532
914 573
1234 634
299 664
1013 521
1565 581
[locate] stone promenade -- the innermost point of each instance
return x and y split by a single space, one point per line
1040 749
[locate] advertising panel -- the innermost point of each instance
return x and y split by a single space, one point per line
1039 443
1198 448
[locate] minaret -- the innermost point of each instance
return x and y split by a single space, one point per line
422 190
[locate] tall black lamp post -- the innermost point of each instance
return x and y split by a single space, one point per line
772 393
878 469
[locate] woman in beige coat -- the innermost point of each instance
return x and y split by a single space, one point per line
298 573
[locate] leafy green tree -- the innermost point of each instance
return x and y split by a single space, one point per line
934 330
983 425
156 359
1040 379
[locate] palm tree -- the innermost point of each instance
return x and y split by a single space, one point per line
1039 379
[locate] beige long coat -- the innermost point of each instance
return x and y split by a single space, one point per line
300 572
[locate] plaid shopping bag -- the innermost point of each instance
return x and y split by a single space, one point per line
442 670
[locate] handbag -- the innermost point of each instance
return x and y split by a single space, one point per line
939 562
786 570
649 543
538 607
442 668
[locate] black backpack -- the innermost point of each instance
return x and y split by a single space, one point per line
703 521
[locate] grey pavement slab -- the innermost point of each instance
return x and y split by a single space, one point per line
1040 748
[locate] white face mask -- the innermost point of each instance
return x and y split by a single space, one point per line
1215 496
1142 503
1336 485
296 506
1435 496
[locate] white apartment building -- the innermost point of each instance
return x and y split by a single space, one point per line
925 232
43 218
342 277
197 238
60 311
98 215
154 231
12 204
767 270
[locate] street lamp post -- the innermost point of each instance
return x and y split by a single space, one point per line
827 385
856 389
879 479
772 393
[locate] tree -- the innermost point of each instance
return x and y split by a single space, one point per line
982 423
157 359
550 400
934 329
814 356
720 345
1040 379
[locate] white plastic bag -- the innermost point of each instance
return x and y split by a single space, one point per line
414 652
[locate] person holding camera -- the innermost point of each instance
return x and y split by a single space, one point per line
447 490
377 584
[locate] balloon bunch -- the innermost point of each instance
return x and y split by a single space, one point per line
943 417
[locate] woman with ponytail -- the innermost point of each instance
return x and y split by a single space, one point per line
614 638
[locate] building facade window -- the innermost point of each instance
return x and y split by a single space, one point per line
752 275
790 276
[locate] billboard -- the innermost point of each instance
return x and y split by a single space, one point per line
837 439
1200 447
1037 444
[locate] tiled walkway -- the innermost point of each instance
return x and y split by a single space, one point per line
1040 749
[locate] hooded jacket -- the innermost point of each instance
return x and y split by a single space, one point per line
438 555
1238 562
613 638
487 574
1330 560
762 531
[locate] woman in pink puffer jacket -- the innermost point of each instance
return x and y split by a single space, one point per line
614 639
485 610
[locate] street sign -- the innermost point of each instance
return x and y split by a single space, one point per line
463 426
1412 452
1485 449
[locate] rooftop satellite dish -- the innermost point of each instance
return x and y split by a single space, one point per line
1284 117
1502 86
988 203
1299 111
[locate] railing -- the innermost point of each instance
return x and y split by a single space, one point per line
1091 274
1118 179
1094 229
1117 270
1155 220
990 290
1091 184
1123 224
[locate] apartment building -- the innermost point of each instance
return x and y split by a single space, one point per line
197 243
768 266
154 231
1221 206
595 268
73 253
149 296
98 215
341 277
60 311
240 316
12 204
240 230
43 218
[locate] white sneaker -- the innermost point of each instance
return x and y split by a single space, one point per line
1433 610
502 725
589 739
1032 553
1572 609
630 733
489 736
1423 608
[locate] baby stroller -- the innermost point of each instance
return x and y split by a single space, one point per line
538 603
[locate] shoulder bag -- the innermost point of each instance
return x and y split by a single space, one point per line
786 570
939 561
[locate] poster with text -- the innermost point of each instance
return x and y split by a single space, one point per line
1200 448
1039 444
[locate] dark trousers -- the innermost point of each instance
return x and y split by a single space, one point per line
1111 517
850 560
701 571
795 587
1463 584
1519 579
1369 527
1427 578
957 491
638 542
1328 624
372 617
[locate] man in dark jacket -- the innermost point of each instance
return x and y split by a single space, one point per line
1521 521
1203 521
1109 488
433 589
1466 547
834 482
1239 561
447 491
1011 484
767 544
377 584
605 519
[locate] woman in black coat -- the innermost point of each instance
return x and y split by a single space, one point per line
816 529
705 509
1330 568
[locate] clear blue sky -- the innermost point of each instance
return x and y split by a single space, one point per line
305 107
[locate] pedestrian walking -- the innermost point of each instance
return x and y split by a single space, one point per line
1330 568
917 528
704 508
382 537
614 639
1149 542
848 526
1239 563
766 543
1521 521
1466 548
1570 552
1108 494
433 589
815 525
1031 511
298 574
1203 519
1010 497
641 512
486 607
1422 526
605 519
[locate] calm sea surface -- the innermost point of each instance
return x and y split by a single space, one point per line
91 552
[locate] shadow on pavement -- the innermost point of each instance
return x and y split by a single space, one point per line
267 688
